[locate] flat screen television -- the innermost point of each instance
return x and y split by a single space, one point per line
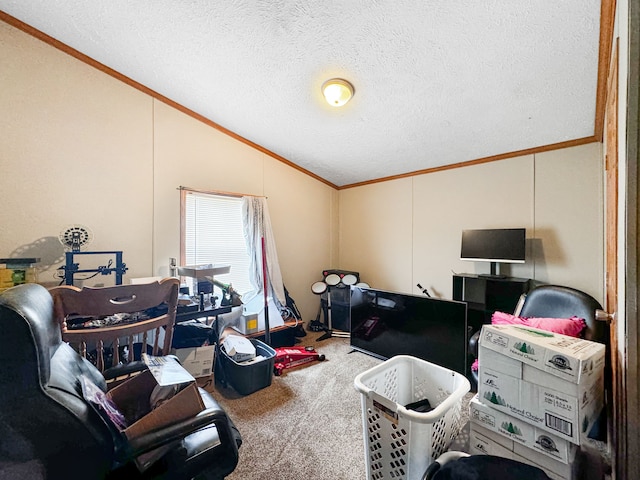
498 245
384 324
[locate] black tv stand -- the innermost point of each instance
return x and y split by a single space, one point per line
491 275
485 294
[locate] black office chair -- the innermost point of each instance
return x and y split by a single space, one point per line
461 466
46 421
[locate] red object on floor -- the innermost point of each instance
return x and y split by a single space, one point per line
289 357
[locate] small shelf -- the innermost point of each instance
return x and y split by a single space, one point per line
203 271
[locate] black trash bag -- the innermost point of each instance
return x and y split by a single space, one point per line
192 333
291 305
292 311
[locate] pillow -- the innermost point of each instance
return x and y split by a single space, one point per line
567 326
474 365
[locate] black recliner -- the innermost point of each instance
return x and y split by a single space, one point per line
46 421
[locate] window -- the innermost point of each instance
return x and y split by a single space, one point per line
213 233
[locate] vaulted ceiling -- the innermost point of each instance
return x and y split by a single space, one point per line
437 82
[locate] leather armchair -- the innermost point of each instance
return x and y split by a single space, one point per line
46 421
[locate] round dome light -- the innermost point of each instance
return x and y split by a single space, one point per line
337 91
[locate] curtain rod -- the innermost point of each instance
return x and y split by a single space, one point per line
219 192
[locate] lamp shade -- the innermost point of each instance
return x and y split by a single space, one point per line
337 91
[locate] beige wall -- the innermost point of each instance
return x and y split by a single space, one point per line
76 148
376 233
407 231
79 147
569 218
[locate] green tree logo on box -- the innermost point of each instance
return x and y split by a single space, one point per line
511 428
524 348
495 399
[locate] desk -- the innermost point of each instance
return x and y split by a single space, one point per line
281 336
201 313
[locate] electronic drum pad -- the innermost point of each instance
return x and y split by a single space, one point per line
335 280
332 279
319 288
349 279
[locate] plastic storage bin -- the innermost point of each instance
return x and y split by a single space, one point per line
400 444
246 377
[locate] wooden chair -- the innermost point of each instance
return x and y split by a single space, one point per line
93 305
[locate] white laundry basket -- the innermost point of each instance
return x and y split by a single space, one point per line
400 444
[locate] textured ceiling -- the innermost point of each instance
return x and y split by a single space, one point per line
437 81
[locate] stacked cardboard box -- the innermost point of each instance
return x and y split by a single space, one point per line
495 433
540 391
198 361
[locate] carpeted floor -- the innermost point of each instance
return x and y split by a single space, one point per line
307 423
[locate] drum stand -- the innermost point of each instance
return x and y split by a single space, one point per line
330 331
319 288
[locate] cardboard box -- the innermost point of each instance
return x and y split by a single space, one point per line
552 381
572 359
481 442
484 442
198 361
518 431
132 400
568 412
553 468
515 368
239 348
248 323
238 320
255 308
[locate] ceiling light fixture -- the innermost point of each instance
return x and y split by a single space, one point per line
337 91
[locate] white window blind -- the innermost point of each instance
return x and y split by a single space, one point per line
214 234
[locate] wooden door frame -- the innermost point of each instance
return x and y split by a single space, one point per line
631 436
616 393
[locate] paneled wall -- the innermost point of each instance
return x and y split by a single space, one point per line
407 231
80 147
76 148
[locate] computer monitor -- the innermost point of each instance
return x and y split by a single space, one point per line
498 245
